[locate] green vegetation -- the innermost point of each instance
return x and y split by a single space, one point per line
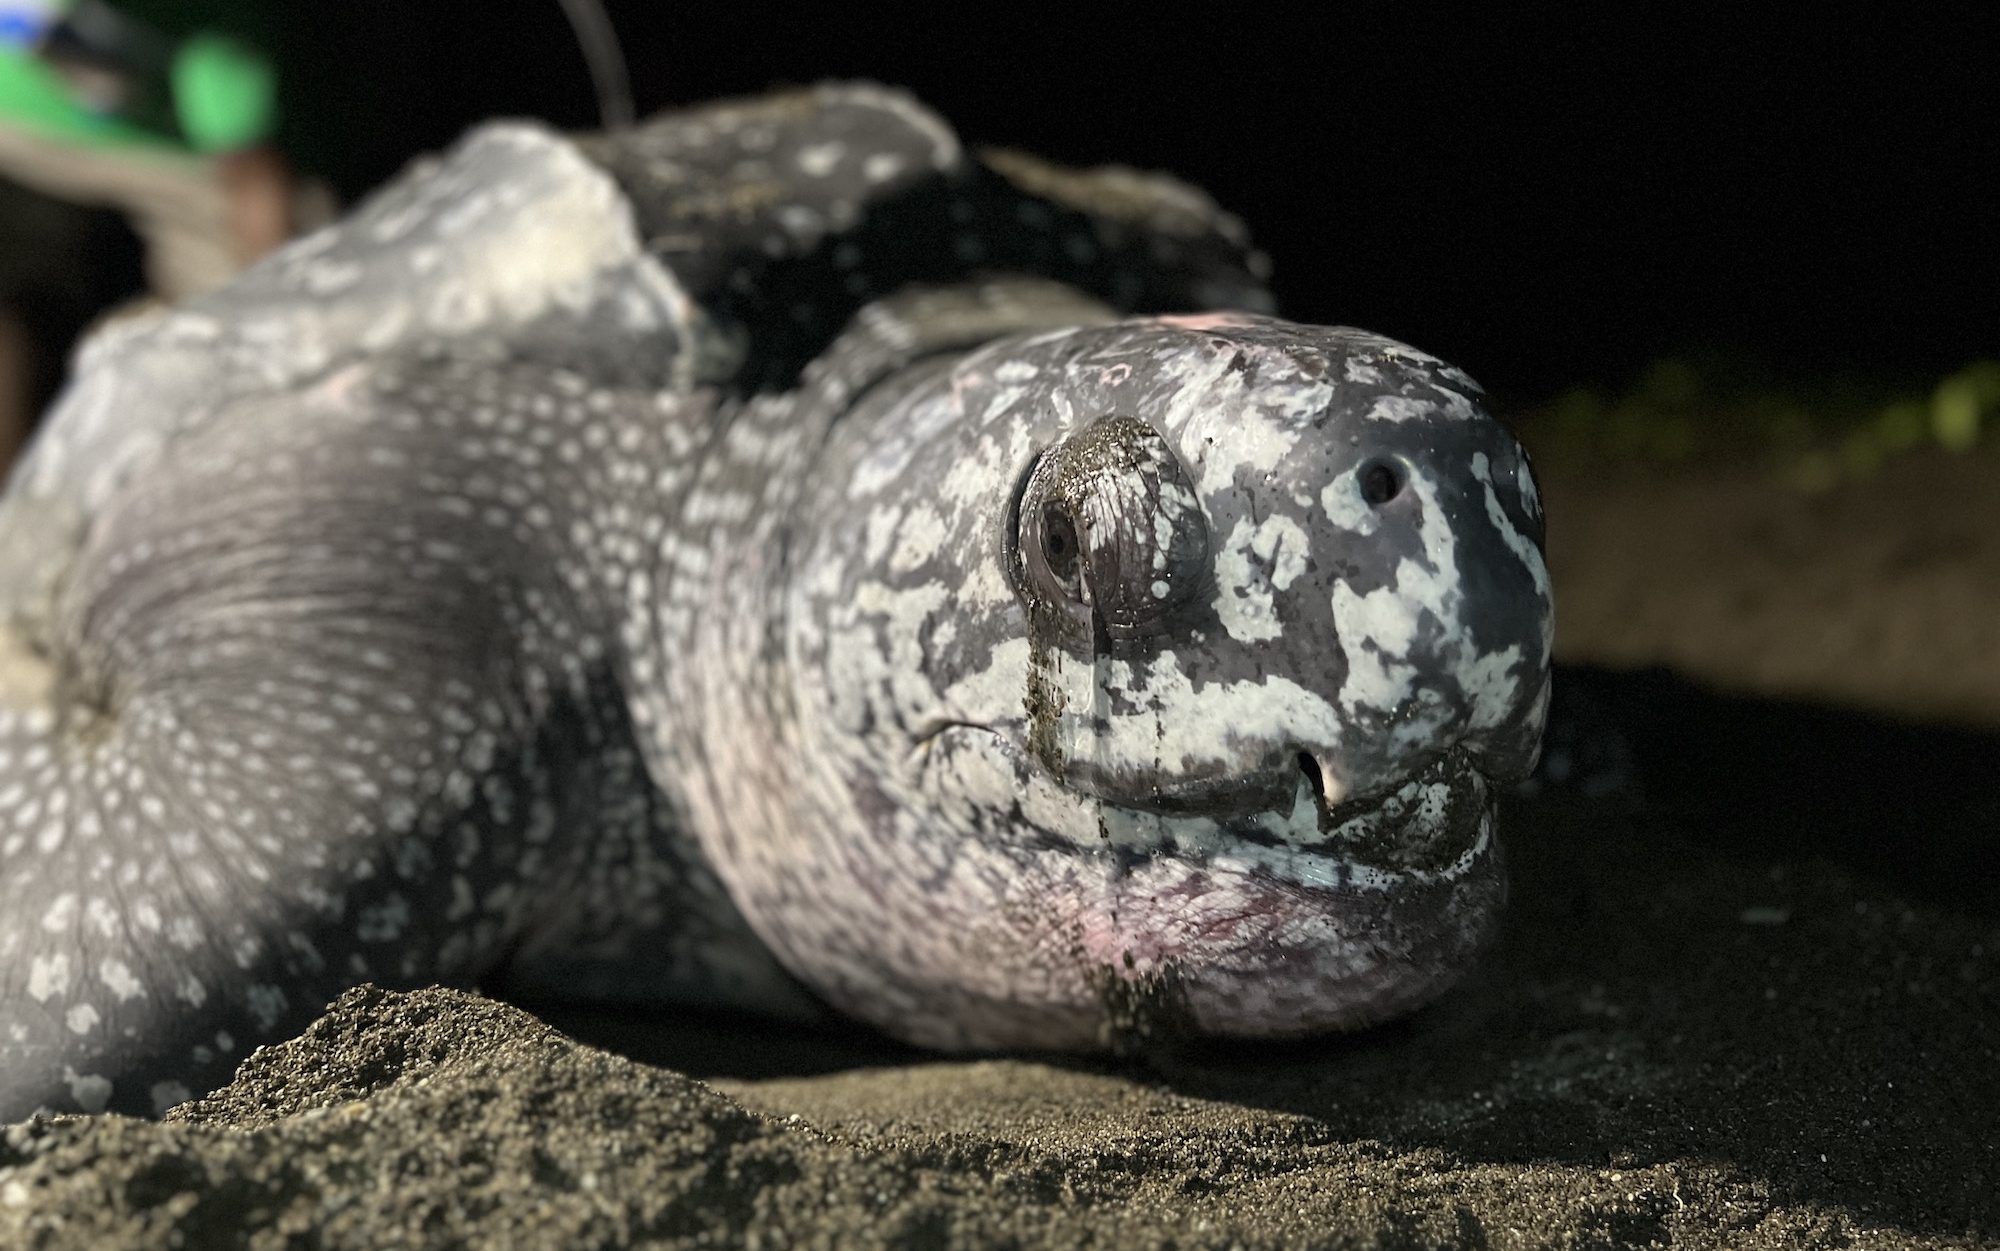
1812 435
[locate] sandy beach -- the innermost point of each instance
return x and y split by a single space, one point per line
1745 996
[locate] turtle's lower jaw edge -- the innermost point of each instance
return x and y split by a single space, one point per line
1430 826
1425 824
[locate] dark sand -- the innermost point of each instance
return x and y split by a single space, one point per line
1749 1001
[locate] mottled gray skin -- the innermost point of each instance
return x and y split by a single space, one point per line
758 559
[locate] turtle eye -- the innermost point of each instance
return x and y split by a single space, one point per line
1060 546
1051 558
1111 530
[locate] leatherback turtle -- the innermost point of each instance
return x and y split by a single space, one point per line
769 556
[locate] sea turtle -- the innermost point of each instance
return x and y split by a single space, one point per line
769 556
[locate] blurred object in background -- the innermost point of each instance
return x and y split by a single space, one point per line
100 109
219 128
61 266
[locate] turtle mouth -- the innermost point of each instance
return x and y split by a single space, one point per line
1426 823
1429 823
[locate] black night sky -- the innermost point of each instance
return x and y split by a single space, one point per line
1548 200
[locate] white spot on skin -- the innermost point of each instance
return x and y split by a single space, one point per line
1401 408
1489 682
119 978
1377 631
48 976
61 914
90 1091
1524 482
102 917
383 924
81 1019
820 159
1243 600
1210 404
880 167
1341 500
266 1004
1281 544
1254 561
1520 544
1196 731
918 538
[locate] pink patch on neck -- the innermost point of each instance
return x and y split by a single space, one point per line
1203 321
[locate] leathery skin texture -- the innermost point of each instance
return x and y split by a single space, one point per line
773 557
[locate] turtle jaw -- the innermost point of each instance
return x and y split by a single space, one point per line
1240 951
1307 919
1299 820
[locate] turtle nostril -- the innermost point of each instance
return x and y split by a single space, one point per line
1314 778
1381 481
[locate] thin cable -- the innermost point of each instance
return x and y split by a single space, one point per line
598 39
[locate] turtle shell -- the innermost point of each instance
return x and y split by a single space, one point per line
781 215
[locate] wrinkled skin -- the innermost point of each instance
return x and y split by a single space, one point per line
1028 668
1176 757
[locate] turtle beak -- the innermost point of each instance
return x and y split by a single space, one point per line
1322 775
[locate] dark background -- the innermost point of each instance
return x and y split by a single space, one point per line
1547 200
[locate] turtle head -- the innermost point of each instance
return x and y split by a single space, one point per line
1183 654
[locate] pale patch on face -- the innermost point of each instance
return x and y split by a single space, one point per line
1377 631
1256 559
1399 408
880 532
1521 545
1211 414
1524 481
972 478
1488 682
886 465
1243 600
998 686
860 661
919 537
1341 501
1281 543
1197 730
974 769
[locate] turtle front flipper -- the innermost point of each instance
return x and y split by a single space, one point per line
325 676
303 637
